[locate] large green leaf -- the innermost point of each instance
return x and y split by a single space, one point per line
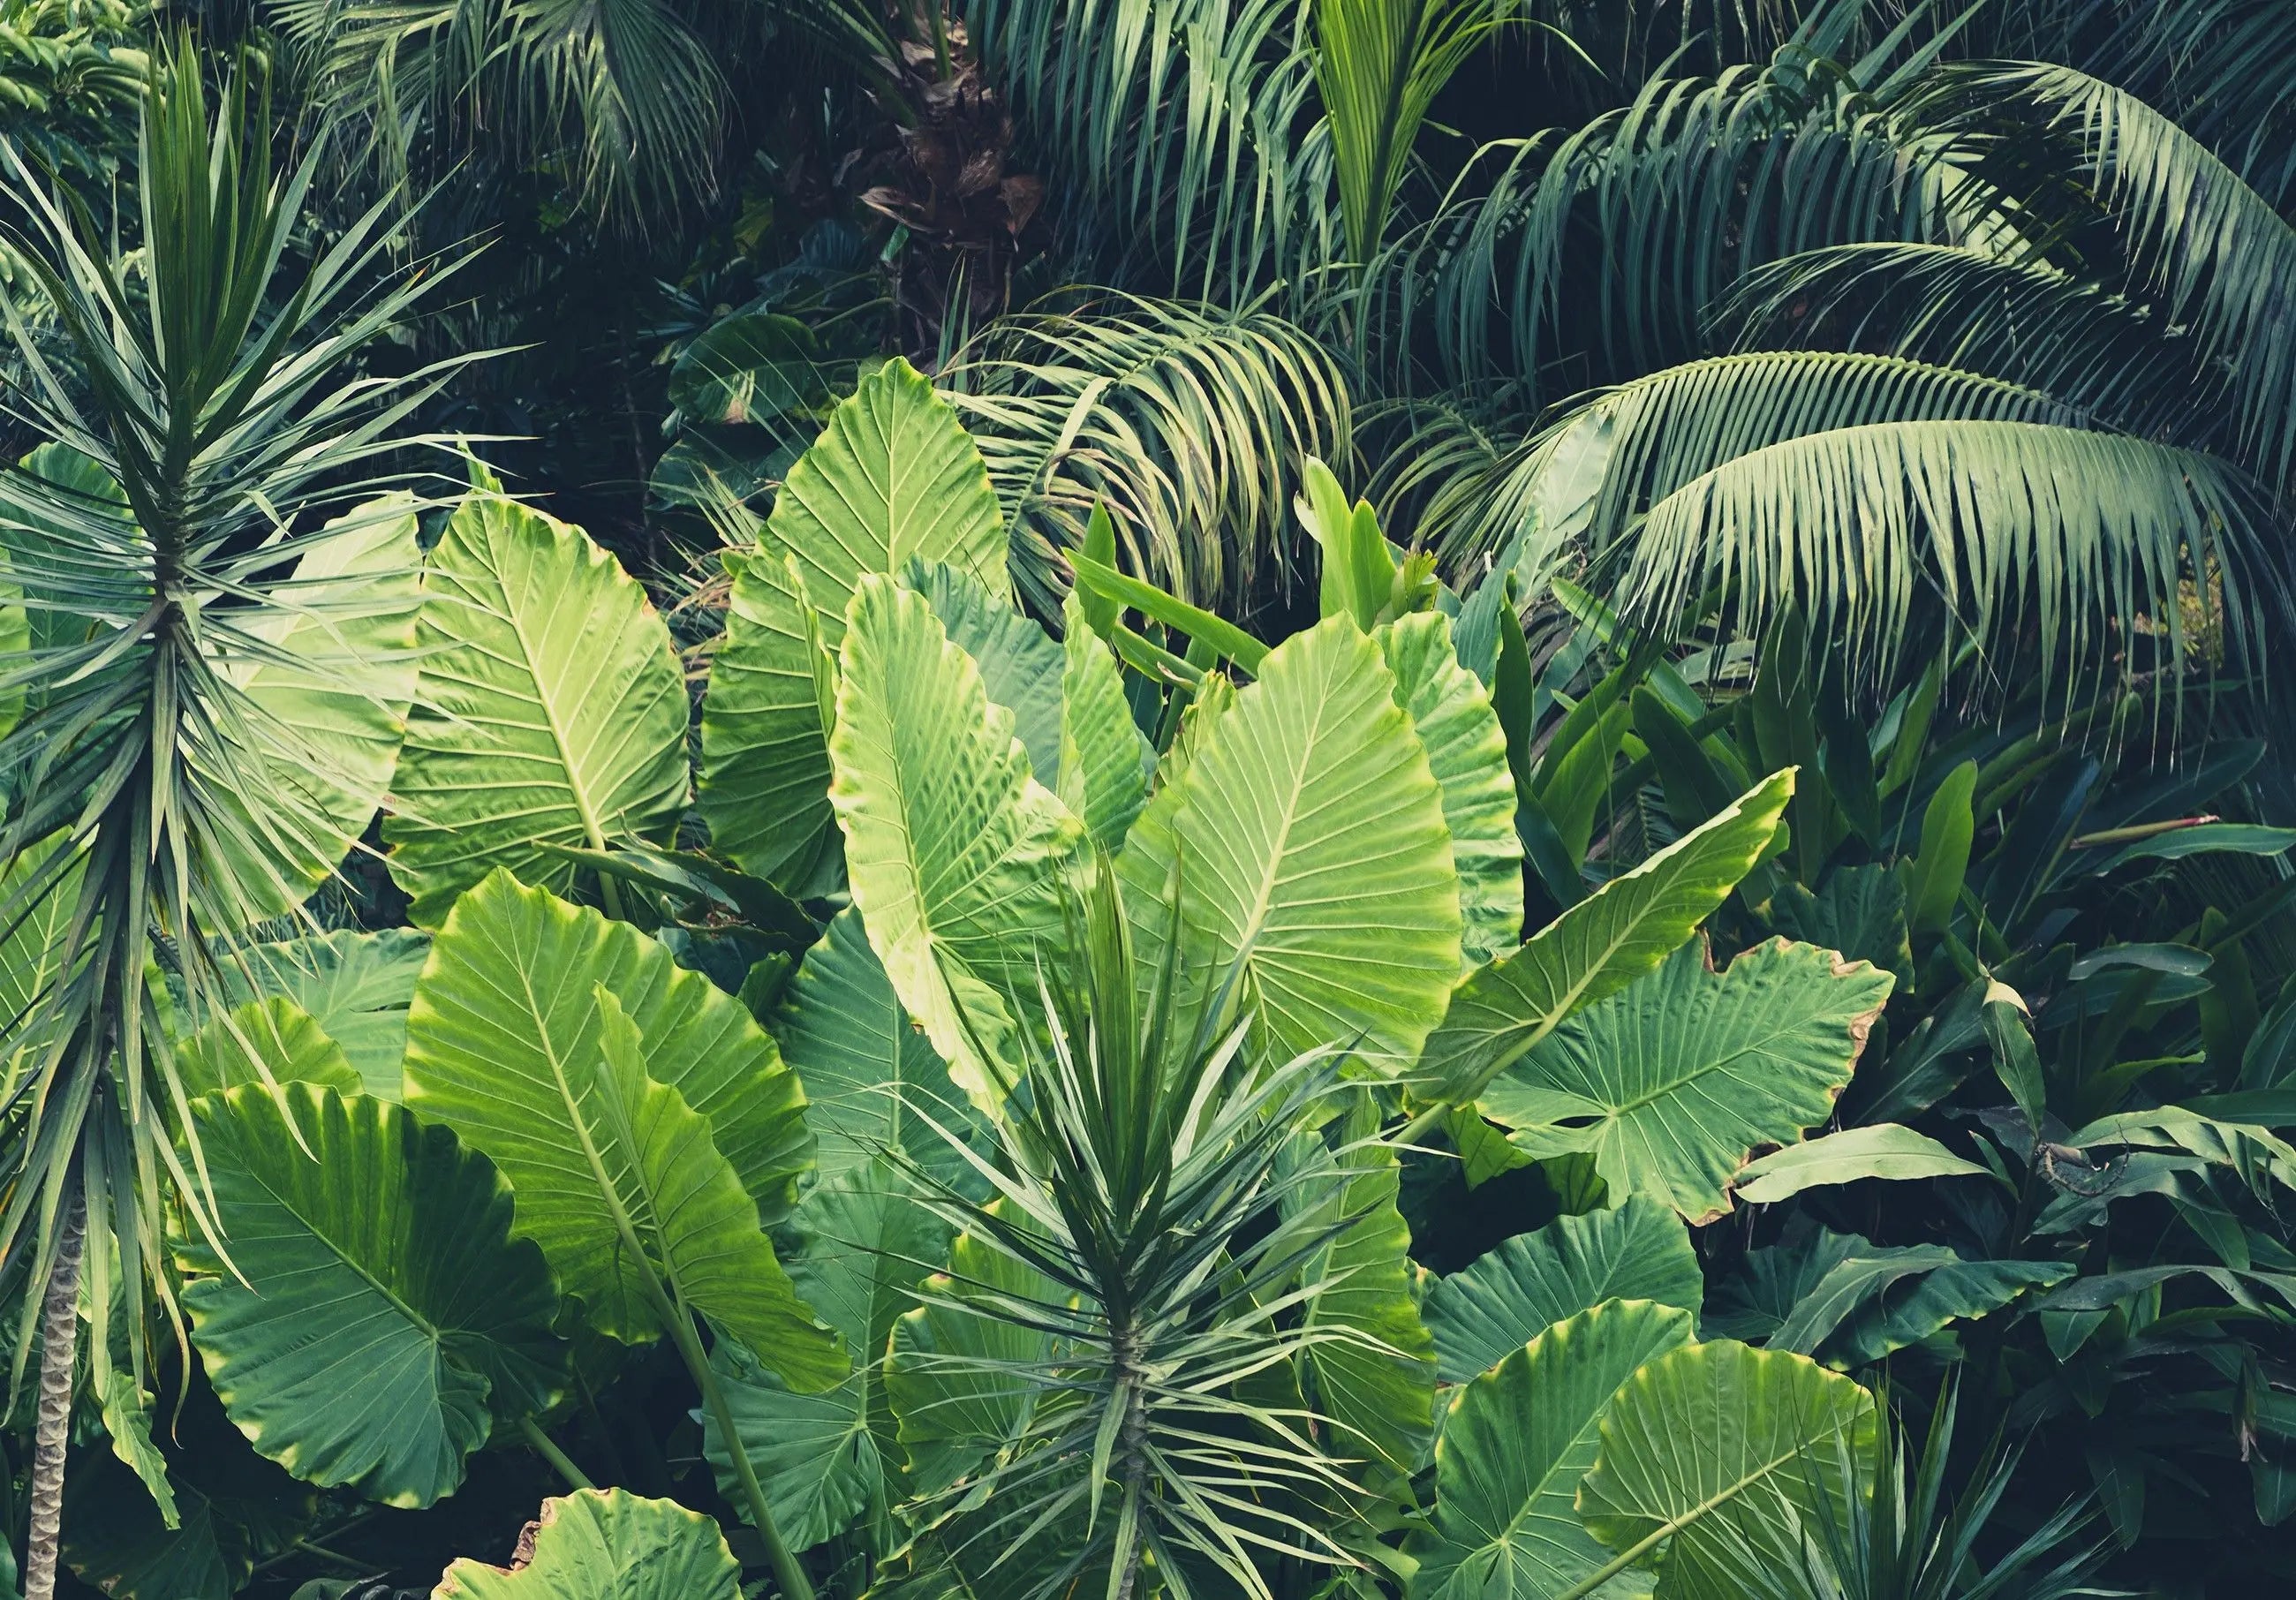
1021 665
1495 1304
1370 1355
606 1544
375 1307
355 985
1599 946
1672 1083
275 1038
1105 762
1452 710
552 710
32 950
749 367
328 673
1720 1450
1515 1444
1848 1302
894 477
1885 1150
826 1459
683 1235
952 847
865 1065
1307 831
504 1008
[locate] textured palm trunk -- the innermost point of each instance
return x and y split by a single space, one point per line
59 1348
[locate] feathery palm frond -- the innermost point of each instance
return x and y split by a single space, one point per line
2200 242
1598 255
162 795
2012 317
1378 65
625 99
1192 423
1171 131
1998 527
2226 70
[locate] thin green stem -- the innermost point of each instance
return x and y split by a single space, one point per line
788 1570
548 1449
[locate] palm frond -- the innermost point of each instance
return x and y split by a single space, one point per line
1191 422
2225 70
1576 261
1173 131
1663 431
2012 318
2209 249
2059 550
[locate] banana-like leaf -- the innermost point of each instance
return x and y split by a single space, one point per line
273 1038
1466 750
1515 1444
1497 1303
1885 1150
1308 832
951 846
356 986
605 1544
1673 1082
685 1233
503 1045
1717 1449
554 710
328 673
1599 946
1105 761
893 478
866 1067
128 1419
827 1459
376 1311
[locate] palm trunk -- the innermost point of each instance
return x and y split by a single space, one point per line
59 1348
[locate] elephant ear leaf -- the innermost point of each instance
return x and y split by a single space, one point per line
1308 835
1516 1443
1465 748
1599 946
893 478
951 846
1726 1455
685 1233
356 986
324 679
606 1544
1672 1083
552 710
1105 761
272 1040
375 1312
1504 1298
505 1014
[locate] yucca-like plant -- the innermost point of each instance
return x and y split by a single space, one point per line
1130 1362
218 676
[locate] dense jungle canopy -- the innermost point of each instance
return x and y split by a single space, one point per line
1212 800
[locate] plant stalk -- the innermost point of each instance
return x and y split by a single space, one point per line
58 1351
548 1449
788 1570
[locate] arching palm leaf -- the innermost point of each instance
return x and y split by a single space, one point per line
2083 536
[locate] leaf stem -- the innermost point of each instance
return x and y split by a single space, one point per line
788 1570
548 1449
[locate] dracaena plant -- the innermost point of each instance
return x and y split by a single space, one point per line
220 614
1149 1351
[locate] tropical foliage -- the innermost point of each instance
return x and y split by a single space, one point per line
1370 798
